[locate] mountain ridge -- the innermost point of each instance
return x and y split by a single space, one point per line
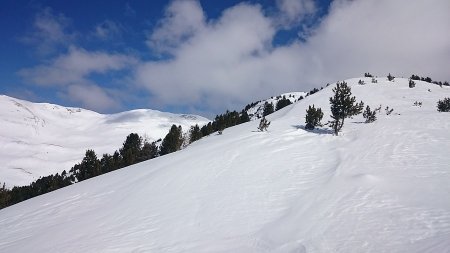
39 139
377 187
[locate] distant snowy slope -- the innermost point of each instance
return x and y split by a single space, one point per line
256 109
38 139
379 187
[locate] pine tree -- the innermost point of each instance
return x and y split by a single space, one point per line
106 163
173 141
89 166
443 105
131 149
263 124
268 109
195 133
313 117
427 79
149 151
4 196
415 77
390 77
343 106
244 117
369 115
117 160
283 103
207 129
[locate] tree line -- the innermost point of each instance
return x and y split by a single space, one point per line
134 150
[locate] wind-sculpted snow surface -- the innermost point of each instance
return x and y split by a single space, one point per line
42 139
379 187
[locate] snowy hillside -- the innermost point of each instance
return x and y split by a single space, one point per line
379 187
255 111
43 139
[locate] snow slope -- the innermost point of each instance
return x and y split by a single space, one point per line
380 187
42 139
256 111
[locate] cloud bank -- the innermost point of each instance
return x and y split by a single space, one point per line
224 63
71 74
230 61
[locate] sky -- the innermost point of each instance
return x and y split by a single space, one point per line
204 57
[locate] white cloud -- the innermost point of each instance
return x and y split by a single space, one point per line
384 36
49 31
182 20
75 67
293 11
214 62
70 73
92 97
217 64
230 61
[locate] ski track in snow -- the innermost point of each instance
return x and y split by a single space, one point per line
380 187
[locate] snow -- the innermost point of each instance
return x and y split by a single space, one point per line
42 139
380 187
256 111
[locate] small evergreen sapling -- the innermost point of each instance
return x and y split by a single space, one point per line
313 117
343 106
263 124
443 105
390 77
388 111
369 115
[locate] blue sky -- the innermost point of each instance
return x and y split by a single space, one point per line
207 56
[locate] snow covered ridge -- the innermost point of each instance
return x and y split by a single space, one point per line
39 139
377 187
255 110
